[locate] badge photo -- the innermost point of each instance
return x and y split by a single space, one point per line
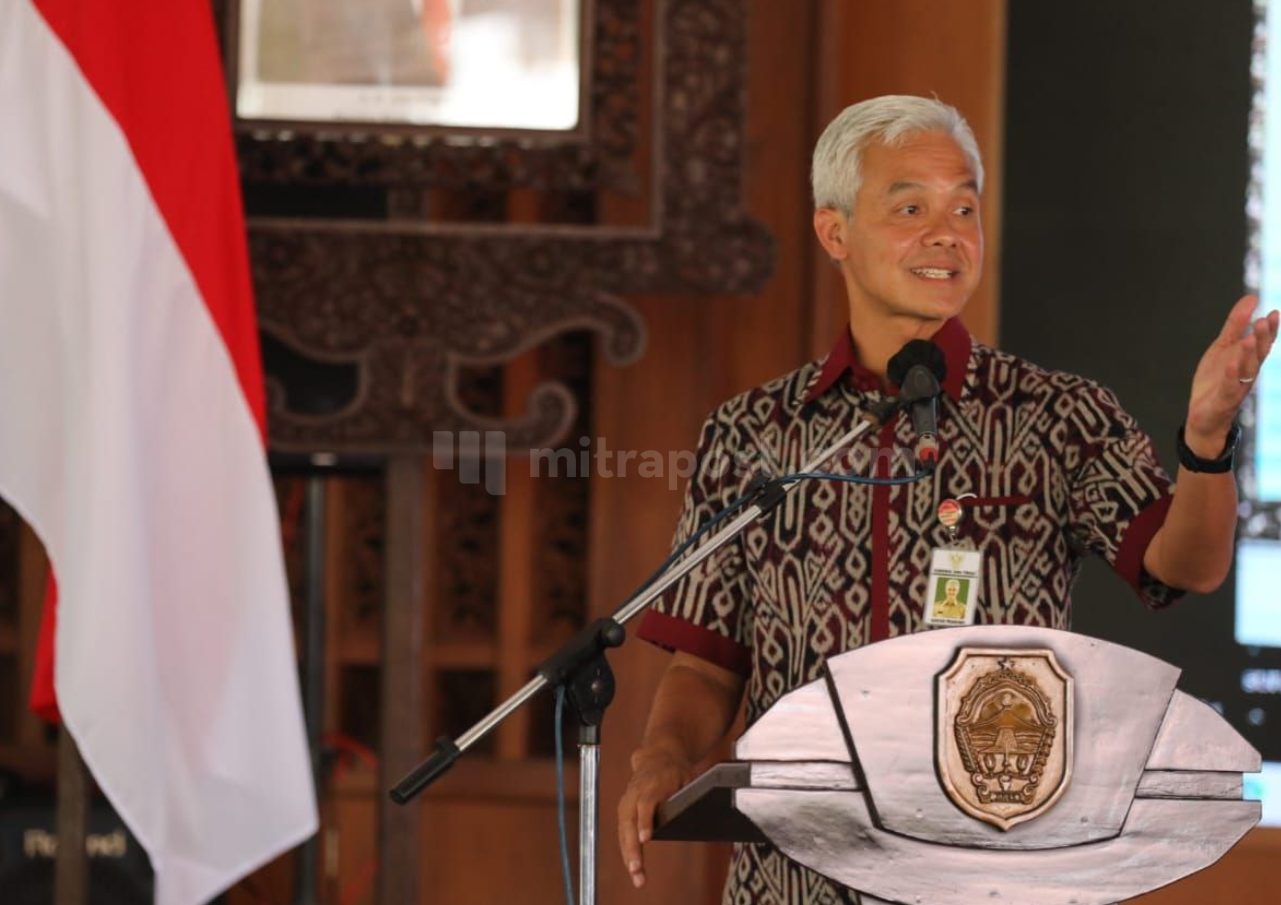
953 589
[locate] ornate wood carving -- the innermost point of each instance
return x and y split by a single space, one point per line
407 305
365 513
467 595
563 509
464 698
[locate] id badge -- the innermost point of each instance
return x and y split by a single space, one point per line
952 595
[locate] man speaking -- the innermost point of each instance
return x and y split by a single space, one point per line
1035 469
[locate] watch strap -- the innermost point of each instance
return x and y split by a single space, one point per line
1192 462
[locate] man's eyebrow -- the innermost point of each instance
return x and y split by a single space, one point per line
896 187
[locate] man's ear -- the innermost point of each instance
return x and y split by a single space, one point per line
831 227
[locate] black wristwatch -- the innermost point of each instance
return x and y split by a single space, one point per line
1192 462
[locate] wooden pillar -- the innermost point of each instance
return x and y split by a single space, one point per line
71 868
402 738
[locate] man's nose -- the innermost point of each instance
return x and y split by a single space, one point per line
940 232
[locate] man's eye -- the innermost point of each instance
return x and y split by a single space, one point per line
965 211
910 209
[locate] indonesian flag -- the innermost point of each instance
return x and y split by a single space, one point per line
131 431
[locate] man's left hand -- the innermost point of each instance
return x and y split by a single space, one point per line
1225 376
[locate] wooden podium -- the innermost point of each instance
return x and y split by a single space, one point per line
1005 764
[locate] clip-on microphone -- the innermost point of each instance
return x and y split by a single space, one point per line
919 369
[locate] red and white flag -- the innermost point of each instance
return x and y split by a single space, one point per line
131 431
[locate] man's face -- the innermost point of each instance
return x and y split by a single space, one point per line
953 588
913 246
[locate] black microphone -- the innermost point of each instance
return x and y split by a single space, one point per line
919 369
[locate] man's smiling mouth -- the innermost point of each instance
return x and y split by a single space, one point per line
934 273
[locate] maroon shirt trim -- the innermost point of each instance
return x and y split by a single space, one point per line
952 338
880 629
1136 540
673 634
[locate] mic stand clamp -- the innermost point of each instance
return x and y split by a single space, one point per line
581 668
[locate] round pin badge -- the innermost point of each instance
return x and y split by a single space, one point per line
949 513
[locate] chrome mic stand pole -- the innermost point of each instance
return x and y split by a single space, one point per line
588 812
580 666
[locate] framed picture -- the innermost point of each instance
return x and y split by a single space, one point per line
495 65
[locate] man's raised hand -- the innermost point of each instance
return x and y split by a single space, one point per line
1225 376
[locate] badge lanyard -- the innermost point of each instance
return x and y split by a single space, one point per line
952 593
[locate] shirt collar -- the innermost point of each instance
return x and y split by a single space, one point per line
952 338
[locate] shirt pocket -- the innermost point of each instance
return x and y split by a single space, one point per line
1005 514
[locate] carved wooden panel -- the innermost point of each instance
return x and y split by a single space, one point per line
363 589
411 283
374 286
467 583
562 508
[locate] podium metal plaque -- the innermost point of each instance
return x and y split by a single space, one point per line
1021 765
1004 738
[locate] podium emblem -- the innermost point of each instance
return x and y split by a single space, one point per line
1004 737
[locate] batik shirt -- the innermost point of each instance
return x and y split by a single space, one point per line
1047 466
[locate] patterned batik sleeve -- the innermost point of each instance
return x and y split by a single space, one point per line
707 613
1119 493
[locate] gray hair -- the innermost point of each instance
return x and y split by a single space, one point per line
836 174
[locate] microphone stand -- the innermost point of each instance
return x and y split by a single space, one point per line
581 668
